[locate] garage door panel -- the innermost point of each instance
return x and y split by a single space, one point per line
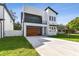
33 31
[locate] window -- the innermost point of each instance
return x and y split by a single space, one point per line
54 18
49 17
52 28
32 18
49 30
10 21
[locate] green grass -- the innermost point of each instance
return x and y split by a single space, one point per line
16 46
71 37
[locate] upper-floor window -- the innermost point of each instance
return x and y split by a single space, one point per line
54 18
32 18
49 17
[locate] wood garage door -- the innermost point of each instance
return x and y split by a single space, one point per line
34 31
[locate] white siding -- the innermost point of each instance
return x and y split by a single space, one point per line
50 31
8 23
1 12
44 18
51 13
32 10
13 33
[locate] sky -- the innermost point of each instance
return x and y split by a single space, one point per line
66 11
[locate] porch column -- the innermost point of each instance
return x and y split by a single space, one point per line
25 30
42 30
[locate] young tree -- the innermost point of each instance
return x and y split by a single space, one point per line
73 24
13 14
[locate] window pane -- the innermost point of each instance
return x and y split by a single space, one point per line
49 17
52 28
52 18
32 18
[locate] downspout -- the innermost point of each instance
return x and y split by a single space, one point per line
3 22
23 21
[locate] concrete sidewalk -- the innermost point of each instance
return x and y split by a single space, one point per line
47 46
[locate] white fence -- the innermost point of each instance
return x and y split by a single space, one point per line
13 33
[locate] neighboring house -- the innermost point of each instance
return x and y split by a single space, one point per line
77 31
37 22
6 20
62 29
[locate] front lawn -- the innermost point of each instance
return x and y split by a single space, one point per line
71 37
16 46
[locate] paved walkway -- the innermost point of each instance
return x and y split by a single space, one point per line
46 46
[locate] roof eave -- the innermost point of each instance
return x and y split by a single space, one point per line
3 4
51 10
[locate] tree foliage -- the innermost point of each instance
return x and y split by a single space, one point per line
13 14
74 24
17 26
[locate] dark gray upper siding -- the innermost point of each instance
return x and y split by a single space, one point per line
30 18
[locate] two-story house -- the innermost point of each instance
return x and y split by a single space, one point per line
6 20
37 22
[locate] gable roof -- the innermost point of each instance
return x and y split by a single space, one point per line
7 10
51 9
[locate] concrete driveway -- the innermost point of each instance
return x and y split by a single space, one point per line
47 46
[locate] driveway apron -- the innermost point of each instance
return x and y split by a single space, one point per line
47 46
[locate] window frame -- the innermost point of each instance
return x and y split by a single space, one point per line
54 18
50 18
31 18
